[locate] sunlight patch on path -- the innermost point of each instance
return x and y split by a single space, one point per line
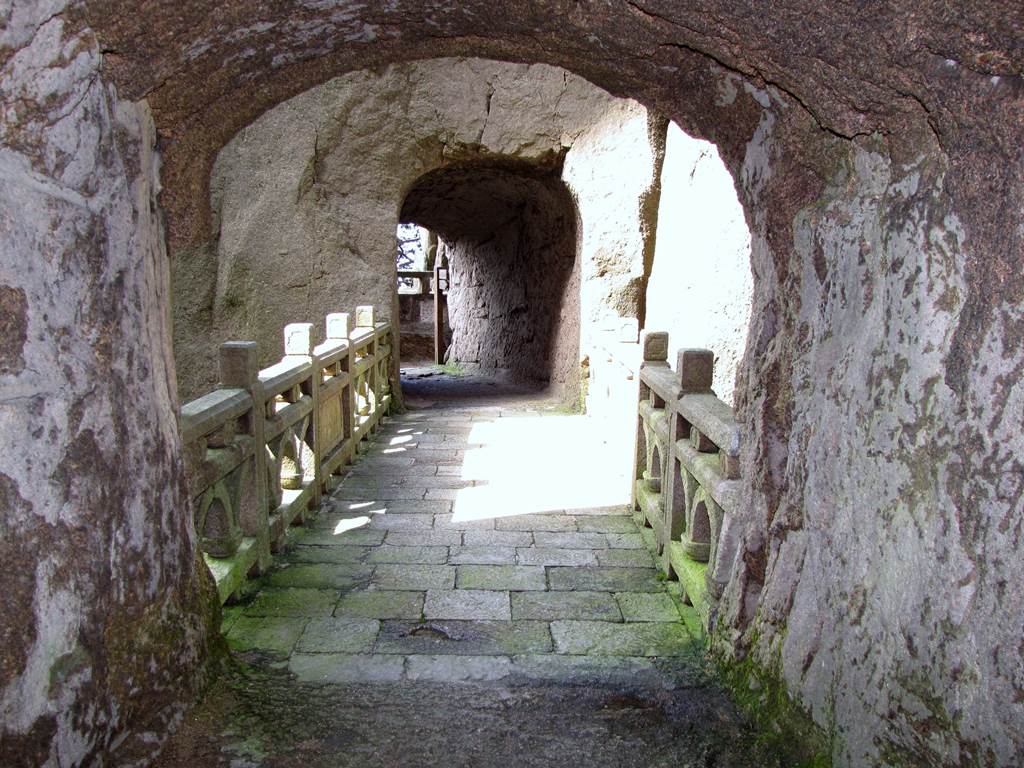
533 464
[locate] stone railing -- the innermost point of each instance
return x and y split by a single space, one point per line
262 448
687 469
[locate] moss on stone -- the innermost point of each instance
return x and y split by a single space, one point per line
785 729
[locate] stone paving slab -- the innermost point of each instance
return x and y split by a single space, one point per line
502 577
374 481
276 634
614 510
605 579
375 603
426 555
338 635
292 602
456 669
414 576
455 523
345 668
363 537
482 555
625 541
440 482
561 540
647 606
555 556
473 638
431 538
449 470
498 538
344 553
470 604
378 461
606 524
319 575
404 522
424 454
546 606
374 469
553 522
445 493
397 493
607 639
395 507
625 558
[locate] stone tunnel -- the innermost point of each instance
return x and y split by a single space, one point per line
174 176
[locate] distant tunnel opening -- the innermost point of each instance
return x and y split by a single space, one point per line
508 233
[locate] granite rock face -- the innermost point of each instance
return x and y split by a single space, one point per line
105 614
878 156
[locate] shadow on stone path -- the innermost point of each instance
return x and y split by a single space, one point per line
441 610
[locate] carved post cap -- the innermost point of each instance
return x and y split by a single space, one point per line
338 325
298 339
655 346
239 365
364 316
696 369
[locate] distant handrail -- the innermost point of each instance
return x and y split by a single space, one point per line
262 449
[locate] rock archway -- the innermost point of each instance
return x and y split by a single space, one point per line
877 154
510 233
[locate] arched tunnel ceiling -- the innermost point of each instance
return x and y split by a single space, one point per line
209 69
470 201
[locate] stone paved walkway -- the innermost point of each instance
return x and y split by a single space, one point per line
406 569
440 562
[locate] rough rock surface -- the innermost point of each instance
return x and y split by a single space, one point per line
877 153
614 171
105 614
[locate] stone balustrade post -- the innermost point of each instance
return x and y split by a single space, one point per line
366 318
696 370
654 348
239 368
298 344
339 328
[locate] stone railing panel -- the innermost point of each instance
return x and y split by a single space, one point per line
262 449
687 482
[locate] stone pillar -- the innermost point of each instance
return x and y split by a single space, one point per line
695 369
339 328
298 343
654 346
239 368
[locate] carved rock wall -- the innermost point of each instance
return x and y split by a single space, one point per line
106 615
514 298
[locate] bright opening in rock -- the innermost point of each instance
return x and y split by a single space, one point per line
507 233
